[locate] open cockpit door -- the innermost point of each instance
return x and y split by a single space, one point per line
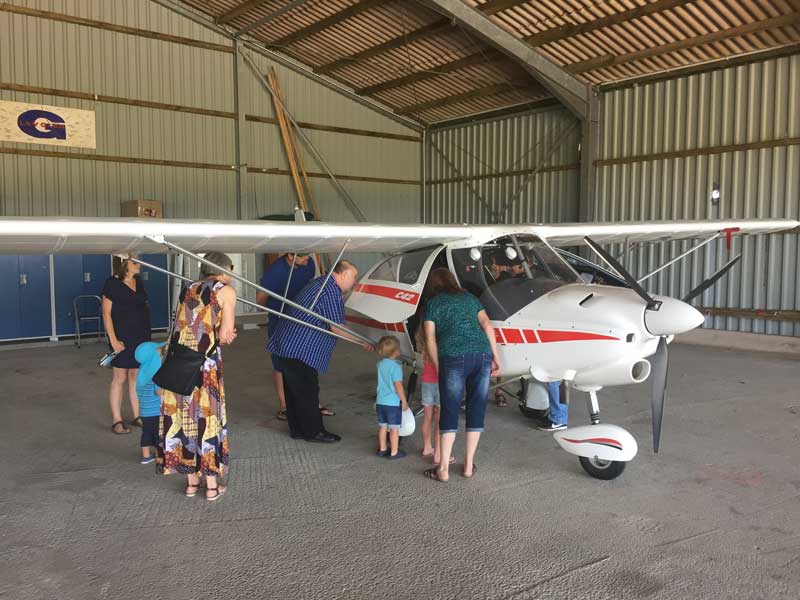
389 295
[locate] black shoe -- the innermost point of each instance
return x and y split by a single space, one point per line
295 436
322 438
400 454
337 437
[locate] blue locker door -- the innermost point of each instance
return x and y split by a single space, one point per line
9 298
96 269
68 277
34 296
157 286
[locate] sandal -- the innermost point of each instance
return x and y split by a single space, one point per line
434 474
281 416
118 432
137 422
326 412
500 399
220 489
452 460
474 470
189 494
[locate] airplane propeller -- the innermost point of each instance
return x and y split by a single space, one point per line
659 363
711 280
660 360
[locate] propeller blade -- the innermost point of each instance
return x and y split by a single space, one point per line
629 279
658 363
711 280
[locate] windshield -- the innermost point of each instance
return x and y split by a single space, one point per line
510 272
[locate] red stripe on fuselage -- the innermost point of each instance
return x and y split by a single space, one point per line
504 335
375 324
387 292
548 336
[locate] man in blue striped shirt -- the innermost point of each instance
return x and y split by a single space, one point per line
305 352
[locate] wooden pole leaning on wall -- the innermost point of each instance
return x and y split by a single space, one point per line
287 144
293 154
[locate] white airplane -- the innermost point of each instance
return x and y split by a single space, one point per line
550 325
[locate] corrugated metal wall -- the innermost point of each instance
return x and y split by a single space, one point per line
481 172
741 105
87 59
49 53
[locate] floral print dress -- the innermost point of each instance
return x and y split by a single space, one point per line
193 429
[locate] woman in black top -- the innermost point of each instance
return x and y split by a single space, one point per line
126 316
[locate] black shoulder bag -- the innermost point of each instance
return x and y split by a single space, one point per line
182 370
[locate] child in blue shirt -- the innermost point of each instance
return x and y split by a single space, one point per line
148 355
391 397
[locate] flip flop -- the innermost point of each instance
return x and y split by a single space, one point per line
434 474
124 431
474 470
326 412
452 461
281 416
137 422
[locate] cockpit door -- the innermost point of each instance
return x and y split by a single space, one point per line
389 294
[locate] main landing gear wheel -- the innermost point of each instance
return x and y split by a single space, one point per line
533 413
602 469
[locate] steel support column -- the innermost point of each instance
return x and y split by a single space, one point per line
239 124
590 145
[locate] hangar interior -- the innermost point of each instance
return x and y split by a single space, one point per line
407 112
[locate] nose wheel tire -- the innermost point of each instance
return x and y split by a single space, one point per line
602 469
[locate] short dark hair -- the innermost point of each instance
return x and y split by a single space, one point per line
442 281
344 265
119 266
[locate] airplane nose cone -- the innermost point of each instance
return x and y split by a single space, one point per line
672 318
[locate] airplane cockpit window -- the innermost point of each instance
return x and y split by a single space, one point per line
402 268
511 272
388 270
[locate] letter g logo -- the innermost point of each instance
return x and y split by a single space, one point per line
42 124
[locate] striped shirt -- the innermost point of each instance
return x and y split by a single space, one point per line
293 340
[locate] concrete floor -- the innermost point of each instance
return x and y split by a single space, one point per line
715 515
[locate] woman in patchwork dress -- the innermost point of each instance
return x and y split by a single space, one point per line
193 429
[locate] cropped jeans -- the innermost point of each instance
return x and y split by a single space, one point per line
468 372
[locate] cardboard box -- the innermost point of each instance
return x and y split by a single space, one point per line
143 208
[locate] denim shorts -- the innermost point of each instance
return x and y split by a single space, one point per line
430 394
457 374
390 417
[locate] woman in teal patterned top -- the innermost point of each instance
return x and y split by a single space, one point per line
461 343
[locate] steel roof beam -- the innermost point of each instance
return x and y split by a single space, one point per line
572 92
270 17
329 21
489 90
238 11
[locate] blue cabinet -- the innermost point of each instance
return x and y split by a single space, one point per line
78 275
25 301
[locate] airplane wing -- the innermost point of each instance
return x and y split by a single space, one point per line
572 234
63 235
40 235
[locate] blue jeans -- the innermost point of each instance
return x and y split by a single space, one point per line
559 413
470 371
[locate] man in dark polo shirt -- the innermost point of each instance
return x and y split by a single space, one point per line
275 278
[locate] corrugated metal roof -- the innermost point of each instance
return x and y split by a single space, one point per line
422 65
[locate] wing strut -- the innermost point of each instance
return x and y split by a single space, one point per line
681 257
358 336
247 302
